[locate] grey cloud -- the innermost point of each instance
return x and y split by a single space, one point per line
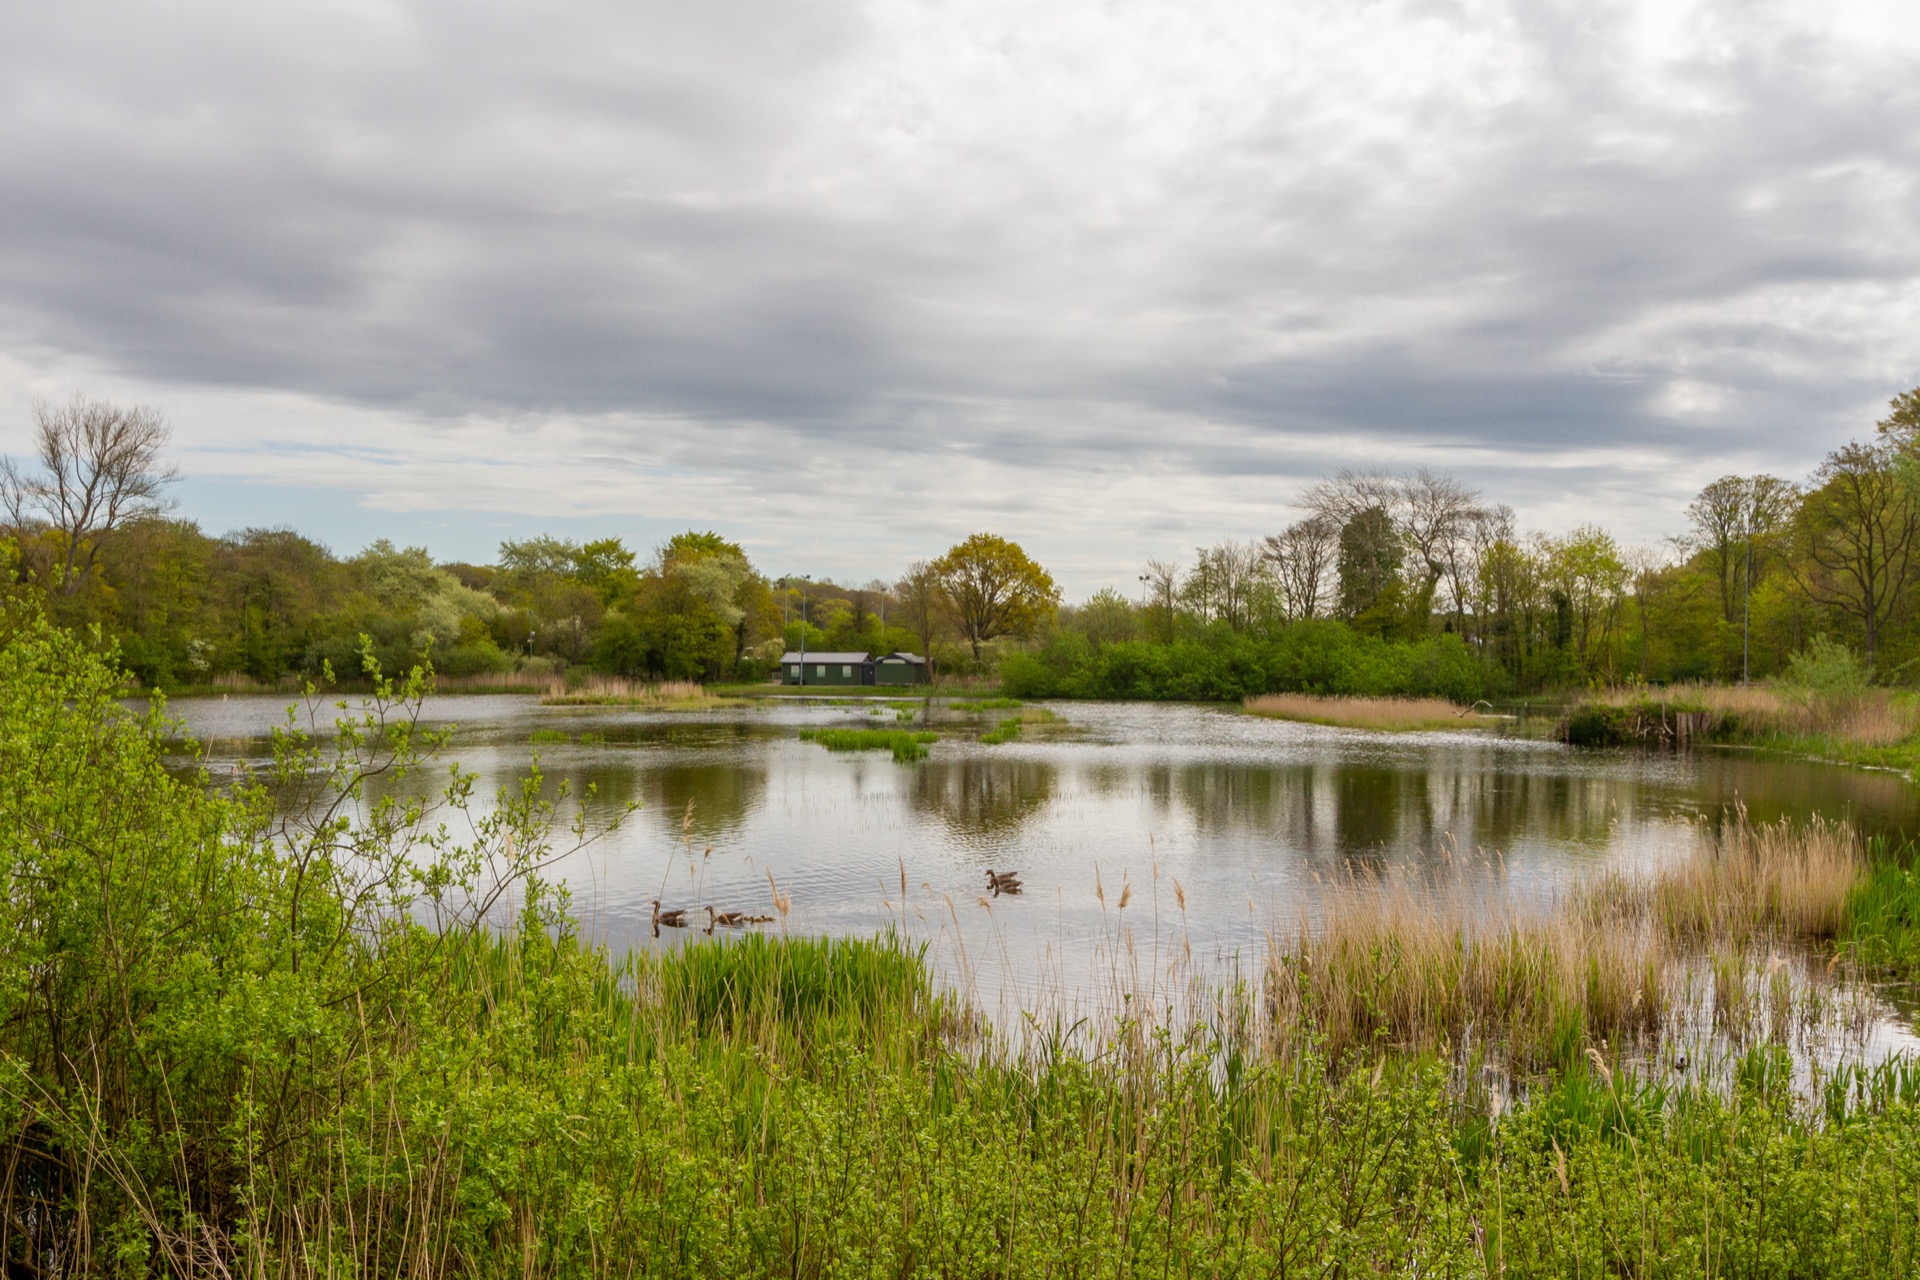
648 213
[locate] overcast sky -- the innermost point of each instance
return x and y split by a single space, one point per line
849 281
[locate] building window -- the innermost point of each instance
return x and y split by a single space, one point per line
846 672
820 669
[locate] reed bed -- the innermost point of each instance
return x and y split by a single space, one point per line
615 691
1862 716
1391 715
1420 968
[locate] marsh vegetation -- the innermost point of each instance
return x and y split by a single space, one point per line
1393 715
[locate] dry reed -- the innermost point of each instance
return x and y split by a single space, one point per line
1421 968
1868 716
1398 715
603 691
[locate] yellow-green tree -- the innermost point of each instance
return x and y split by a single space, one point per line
993 588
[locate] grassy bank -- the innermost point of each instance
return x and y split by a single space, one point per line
1395 715
242 1040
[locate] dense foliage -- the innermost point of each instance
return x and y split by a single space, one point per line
1220 664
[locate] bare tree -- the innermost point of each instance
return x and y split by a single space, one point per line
1304 559
100 468
1487 528
918 600
1442 515
1226 581
1736 521
1432 513
1163 579
1647 565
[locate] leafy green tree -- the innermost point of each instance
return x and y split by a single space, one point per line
1370 560
1855 538
607 568
992 588
1586 570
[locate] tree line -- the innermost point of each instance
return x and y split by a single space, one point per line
87 527
1411 581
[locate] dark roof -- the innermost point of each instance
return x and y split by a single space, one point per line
902 657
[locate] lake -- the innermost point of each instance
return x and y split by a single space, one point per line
1246 819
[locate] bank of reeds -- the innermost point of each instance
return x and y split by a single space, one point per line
1424 967
616 691
1392 715
1837 722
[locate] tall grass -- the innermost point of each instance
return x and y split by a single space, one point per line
616 691
1856 716
1425 968
1398 715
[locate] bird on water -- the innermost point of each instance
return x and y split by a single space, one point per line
674 919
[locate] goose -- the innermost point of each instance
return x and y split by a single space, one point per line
1003 881
726 919
674 919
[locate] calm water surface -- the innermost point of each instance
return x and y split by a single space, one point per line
1249 817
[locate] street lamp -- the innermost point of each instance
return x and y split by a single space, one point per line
1151 581
803 619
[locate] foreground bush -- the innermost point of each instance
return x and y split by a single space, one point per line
235 1043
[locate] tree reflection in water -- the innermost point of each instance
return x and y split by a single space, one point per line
984 801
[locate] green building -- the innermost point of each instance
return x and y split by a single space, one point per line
900 668
826 668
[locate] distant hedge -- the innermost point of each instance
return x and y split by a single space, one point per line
1224 666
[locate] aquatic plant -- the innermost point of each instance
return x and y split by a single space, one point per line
907 745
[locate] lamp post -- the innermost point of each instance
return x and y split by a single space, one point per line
1151 581
1746 607
803 619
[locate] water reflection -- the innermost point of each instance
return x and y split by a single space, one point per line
1252 817
984 801
708 800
